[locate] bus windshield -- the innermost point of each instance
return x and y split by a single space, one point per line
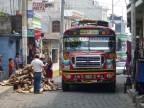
105 44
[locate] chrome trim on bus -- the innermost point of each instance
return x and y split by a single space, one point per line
88 61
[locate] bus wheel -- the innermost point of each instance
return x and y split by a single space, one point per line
65 86
113 87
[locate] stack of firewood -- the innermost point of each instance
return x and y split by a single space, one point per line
22 81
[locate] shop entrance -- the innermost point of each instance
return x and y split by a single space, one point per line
55 55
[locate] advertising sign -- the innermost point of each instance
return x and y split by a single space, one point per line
38 6
30 32
37 33
30 13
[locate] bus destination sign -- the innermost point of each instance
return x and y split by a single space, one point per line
84 31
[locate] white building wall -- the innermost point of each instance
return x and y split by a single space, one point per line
104 13
85 6
52 14
10 6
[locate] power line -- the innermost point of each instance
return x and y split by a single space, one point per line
125 2
116 2
111 4
98 2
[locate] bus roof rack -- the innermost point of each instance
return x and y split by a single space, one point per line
85 22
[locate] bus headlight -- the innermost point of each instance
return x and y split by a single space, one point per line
109 75
67 67
109 66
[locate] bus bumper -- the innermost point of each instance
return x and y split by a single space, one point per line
89 77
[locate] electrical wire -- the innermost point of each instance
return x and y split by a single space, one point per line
117 2
98 2
10 7
13 8
111 4
125 2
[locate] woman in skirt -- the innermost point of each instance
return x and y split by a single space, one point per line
49 71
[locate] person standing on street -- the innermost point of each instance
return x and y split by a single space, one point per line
1 68
128 64
49 71
37 65
18 61
11 66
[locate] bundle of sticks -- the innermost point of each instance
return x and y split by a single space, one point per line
22 81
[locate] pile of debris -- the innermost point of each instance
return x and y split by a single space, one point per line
22 81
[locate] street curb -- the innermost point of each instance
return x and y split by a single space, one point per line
5 90
140 105
136 99
140 102
132 94
129 92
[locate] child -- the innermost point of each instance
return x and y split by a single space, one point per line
11 66
18 61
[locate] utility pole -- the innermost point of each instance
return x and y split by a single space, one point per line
62 17
133 44
112 13
133 28
24 32
61 33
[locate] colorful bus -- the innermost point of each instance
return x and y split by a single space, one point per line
89 53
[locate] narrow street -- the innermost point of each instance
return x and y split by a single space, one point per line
77 97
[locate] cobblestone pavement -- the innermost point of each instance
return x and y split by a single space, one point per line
78 97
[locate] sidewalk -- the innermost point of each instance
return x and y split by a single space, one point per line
138 100
5 90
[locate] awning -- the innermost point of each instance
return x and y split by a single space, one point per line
73 14
55 36
11 35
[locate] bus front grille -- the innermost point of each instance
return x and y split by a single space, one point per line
88 62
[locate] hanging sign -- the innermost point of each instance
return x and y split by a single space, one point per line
37 33
30 13
38 6
30 33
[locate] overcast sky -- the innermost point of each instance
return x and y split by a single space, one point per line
119 6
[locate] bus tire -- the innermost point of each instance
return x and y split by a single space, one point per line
65 87
112 87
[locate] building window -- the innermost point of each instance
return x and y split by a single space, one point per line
56 26
49 3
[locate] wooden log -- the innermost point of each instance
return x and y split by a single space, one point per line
41 90
22 81
31 90
24 91
25 72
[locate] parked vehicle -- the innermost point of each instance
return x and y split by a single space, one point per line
120 68
121 56
89 55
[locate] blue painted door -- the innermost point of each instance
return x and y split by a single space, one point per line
7 50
